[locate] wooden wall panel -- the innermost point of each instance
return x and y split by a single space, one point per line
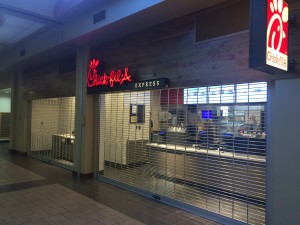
230 17
50 81
169 51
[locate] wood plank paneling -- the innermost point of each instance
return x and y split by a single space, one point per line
169 51
56 79
230 17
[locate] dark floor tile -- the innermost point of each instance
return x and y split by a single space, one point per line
24 185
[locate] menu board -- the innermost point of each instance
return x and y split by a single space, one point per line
239 93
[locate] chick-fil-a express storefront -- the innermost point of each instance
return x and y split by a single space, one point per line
202 147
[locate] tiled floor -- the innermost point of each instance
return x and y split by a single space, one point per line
15 174
55 204
33 192
225 206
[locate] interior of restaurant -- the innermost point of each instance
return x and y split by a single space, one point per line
228 118
175 142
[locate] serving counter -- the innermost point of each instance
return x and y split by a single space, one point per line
189 150
63 146
230 174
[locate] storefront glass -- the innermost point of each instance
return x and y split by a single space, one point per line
202 146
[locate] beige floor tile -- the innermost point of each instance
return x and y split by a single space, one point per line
12 174
57 209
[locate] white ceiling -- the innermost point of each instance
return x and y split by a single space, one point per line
21 20
41 8
38 7
14 29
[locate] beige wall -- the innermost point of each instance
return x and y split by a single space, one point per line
48 117
20 120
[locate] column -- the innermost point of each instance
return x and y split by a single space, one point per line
20 116
85 137
283 153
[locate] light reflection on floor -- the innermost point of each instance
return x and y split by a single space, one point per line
229 207
12 174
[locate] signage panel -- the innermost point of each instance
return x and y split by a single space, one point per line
268 50
277 34
118 80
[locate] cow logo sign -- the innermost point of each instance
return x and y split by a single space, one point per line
277 34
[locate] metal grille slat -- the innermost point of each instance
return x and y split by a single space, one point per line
52 130
202 146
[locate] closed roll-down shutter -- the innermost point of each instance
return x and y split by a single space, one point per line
202 146
53 130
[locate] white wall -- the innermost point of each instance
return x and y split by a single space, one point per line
115 150
5 101
44 123
115 128
51 116
283 161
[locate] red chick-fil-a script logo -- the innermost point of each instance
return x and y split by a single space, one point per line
277 34
116 76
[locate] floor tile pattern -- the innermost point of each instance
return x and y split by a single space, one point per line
11 173
55 204
36 193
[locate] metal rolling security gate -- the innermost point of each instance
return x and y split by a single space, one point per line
52 130
205 147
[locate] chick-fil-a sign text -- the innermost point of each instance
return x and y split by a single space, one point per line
115 76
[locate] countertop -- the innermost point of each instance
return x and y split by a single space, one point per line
191 149
71 136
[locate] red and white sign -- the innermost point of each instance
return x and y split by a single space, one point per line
277 34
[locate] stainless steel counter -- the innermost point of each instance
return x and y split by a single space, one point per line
63 146
232 174
220 153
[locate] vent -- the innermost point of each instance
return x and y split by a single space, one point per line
98 17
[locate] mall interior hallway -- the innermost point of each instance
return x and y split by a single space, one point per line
34 192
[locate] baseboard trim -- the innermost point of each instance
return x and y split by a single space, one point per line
16 152
83 175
